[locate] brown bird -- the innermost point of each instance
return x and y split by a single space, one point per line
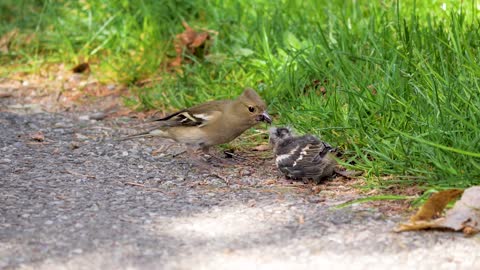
211 123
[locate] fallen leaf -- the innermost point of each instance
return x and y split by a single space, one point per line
191 42
38 137
434 206
416 226
261 147
464 216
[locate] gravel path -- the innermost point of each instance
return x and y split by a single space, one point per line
80 200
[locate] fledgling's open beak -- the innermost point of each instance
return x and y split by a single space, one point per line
264 117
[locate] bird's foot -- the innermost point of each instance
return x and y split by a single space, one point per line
217 161
206 168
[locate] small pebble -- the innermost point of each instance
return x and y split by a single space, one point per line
5 161
77 251
84 118
18 144
98 116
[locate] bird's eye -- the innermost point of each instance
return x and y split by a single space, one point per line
251 109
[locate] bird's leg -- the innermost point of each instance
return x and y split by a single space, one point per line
205 152
198 160
202 164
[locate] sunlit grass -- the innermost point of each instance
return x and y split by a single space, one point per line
394 84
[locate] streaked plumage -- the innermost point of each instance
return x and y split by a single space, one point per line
302 157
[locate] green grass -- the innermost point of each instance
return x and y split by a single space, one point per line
394 84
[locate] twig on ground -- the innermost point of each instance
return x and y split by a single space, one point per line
79 174
134 184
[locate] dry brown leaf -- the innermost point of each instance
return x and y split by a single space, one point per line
416 226
261 147
464 216
199 40
38 137
6 40
434 206
192 42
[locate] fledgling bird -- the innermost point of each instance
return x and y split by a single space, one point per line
302 157
211 123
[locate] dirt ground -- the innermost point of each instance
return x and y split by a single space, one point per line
74 197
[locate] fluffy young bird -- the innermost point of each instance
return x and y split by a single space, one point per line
302 157
210 123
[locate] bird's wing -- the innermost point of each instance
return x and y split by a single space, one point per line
308 159
199 115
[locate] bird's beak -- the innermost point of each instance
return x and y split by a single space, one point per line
264 117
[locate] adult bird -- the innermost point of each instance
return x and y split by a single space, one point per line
211 123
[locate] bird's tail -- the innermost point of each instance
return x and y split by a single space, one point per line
134 136
148 133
